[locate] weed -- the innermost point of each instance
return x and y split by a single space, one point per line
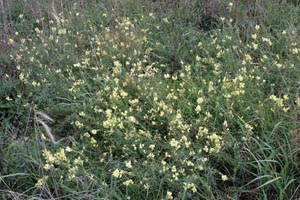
152 100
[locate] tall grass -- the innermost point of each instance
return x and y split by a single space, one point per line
149 100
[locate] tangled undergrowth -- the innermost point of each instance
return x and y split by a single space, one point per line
141 106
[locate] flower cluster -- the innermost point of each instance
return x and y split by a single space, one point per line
137 118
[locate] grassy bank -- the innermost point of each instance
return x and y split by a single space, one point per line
149 100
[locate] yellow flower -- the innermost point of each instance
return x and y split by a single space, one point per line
146 186
117 64
86 134
151 155
37 30
257 27
94 131
248 57
68 149
62 31
34 83
152 146
11 41
48 166
129 182
174 143
93 142
297 101
128 164
190 164
200 168
82 114
78 161
285 109
117 173
8 98
165 20
78 124
224 177
169 195
41 181
283 32
124 94
200 100
198 109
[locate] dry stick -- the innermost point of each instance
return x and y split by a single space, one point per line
295 192
54 13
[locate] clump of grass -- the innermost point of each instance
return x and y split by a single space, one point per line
151 105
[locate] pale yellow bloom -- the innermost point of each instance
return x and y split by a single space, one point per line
152 146
129 182
117 173
8 98
169 195
200 100
11 41
224 177
146 186
128 164
198 109
41 181
78 124
94 131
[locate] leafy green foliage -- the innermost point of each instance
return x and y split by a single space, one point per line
144 102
